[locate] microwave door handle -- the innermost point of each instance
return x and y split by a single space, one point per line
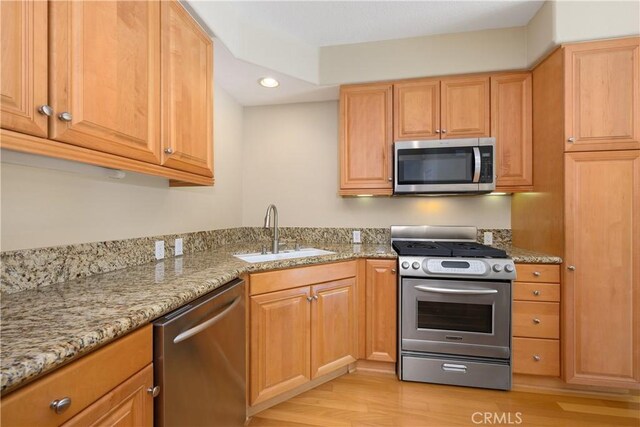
477 164
456 291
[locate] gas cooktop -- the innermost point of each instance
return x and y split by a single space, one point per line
446 249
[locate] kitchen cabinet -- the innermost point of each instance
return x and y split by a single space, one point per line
416 110
381 308
511 126
90 82
602 255
366 139
303 325
465 107
24 85
602 95
187 92
111 386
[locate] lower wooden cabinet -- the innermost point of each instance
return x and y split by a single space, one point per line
381 307
304 331
536 356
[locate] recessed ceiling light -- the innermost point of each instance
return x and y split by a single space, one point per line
269 82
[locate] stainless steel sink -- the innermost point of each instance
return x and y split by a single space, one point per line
302 253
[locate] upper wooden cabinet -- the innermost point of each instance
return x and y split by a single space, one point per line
23 81
602 95
511 126
416 110
366 139
187 103
465 107
105 72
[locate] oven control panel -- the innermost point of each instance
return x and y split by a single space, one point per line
494 268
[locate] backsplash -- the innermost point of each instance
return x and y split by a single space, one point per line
33 268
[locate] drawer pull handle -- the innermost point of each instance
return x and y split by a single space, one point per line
154 391
536 293
60 405
536 273
536 321
454 367
536 358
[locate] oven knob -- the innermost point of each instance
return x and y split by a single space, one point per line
405 265
497 268
415 265
508 268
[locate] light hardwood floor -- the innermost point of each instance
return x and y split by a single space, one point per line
367 399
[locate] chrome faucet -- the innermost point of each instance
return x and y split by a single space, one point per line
276 233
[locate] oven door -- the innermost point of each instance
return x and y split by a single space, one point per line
461 317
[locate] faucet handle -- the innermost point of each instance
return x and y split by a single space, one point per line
264 249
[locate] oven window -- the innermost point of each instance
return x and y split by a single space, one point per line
455 316
435 166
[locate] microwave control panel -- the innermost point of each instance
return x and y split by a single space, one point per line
486 170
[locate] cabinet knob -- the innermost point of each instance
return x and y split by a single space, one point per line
536 321
65 117
536 293
393 270
315 297
390 179
168 150
60 405
45 110
309 299
153 391
437 130
536 358
571 140
571 267
536 273
444 131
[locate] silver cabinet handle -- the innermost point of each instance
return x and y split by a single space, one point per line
571 140
536 321
571 268
536 358
315 297
536 293
390 179
437 130
168 150
154 391
536 273
456 291
309 299
393 270
60 405
452 367
65 117
444 131
45 110
204 325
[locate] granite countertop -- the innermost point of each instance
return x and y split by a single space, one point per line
44 328
525 256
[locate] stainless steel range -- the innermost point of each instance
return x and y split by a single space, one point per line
455 307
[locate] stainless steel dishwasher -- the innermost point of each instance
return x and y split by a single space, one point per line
199 361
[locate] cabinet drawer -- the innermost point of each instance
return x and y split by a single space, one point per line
549 273
83 381
536 319
536 291
271 281
536 356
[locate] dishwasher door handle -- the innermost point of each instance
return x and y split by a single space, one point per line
204 325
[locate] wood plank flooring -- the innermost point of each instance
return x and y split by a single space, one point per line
369 399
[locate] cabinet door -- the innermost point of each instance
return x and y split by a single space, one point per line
381 310
465 107
24 66
511 126
333 321
416 110
366 143
105 60
280 342
187 92
128 405
602 95
602 294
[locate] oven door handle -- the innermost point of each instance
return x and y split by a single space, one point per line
477 164
456 291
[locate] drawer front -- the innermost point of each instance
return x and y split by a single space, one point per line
549 292
280 280
536 356
549 273
83 381
536 319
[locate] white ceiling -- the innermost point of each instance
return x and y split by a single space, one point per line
327 23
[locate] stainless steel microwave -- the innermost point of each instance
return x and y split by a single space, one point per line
444 166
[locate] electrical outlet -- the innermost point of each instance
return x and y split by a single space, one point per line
159 249
488 238
178 247
356 236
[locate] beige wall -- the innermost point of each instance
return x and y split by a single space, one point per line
291 159
44 207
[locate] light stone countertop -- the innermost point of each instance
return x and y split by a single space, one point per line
45 328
